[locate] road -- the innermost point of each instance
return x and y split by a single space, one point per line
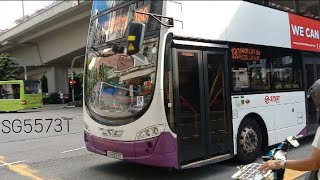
61 155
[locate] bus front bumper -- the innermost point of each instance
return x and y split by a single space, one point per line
159 151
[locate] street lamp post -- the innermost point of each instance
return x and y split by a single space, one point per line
22 8
72 63
25 72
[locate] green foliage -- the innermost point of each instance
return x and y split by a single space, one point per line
78 86
8 69
52 98
44 84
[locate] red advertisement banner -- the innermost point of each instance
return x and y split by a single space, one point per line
304 33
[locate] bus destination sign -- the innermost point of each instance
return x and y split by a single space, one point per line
246 54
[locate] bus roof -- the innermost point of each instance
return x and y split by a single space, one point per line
11 82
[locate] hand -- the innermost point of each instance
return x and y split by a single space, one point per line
271 164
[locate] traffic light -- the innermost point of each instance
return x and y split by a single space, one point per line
72 83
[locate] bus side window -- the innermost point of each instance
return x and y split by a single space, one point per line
5 91
2 92
10 91
16 91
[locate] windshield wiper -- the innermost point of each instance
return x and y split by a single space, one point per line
94 51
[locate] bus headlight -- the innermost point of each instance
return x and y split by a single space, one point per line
150 132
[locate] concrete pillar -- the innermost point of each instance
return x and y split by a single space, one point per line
57 79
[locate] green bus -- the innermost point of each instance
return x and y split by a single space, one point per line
18 95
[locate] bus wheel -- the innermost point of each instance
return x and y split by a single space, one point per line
249 141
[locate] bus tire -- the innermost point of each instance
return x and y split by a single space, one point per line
249 141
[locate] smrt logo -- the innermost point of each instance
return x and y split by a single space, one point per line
269 99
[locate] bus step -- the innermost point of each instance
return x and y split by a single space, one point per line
219 132
206 161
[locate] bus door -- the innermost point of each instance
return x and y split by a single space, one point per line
216 100
204 131
312 73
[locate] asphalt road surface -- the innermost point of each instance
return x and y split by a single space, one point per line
57 151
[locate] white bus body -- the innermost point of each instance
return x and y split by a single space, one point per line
200 23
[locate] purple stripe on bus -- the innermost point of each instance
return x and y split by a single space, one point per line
145 147
103 145
303 132
160 151
89 142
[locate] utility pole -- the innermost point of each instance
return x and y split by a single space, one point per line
22 8
72 63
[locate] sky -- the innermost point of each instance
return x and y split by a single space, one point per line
12 10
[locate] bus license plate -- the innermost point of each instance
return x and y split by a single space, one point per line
115 155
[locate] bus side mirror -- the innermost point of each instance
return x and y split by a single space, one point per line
135 37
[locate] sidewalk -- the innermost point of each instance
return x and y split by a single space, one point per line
55 107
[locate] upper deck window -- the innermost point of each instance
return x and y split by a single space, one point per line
257 1
309 8
112 25
101 6
286 5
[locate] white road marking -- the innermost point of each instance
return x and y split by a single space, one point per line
6 164
73 150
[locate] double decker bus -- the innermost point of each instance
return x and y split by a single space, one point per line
210 80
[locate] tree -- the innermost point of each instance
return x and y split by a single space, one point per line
78 86
8 69
44 84
22 19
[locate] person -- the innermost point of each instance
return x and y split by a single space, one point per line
3 93
307 164
61 97
16 91
311 163
139 90
147 87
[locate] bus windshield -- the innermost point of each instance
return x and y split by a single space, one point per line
119 85
32 87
